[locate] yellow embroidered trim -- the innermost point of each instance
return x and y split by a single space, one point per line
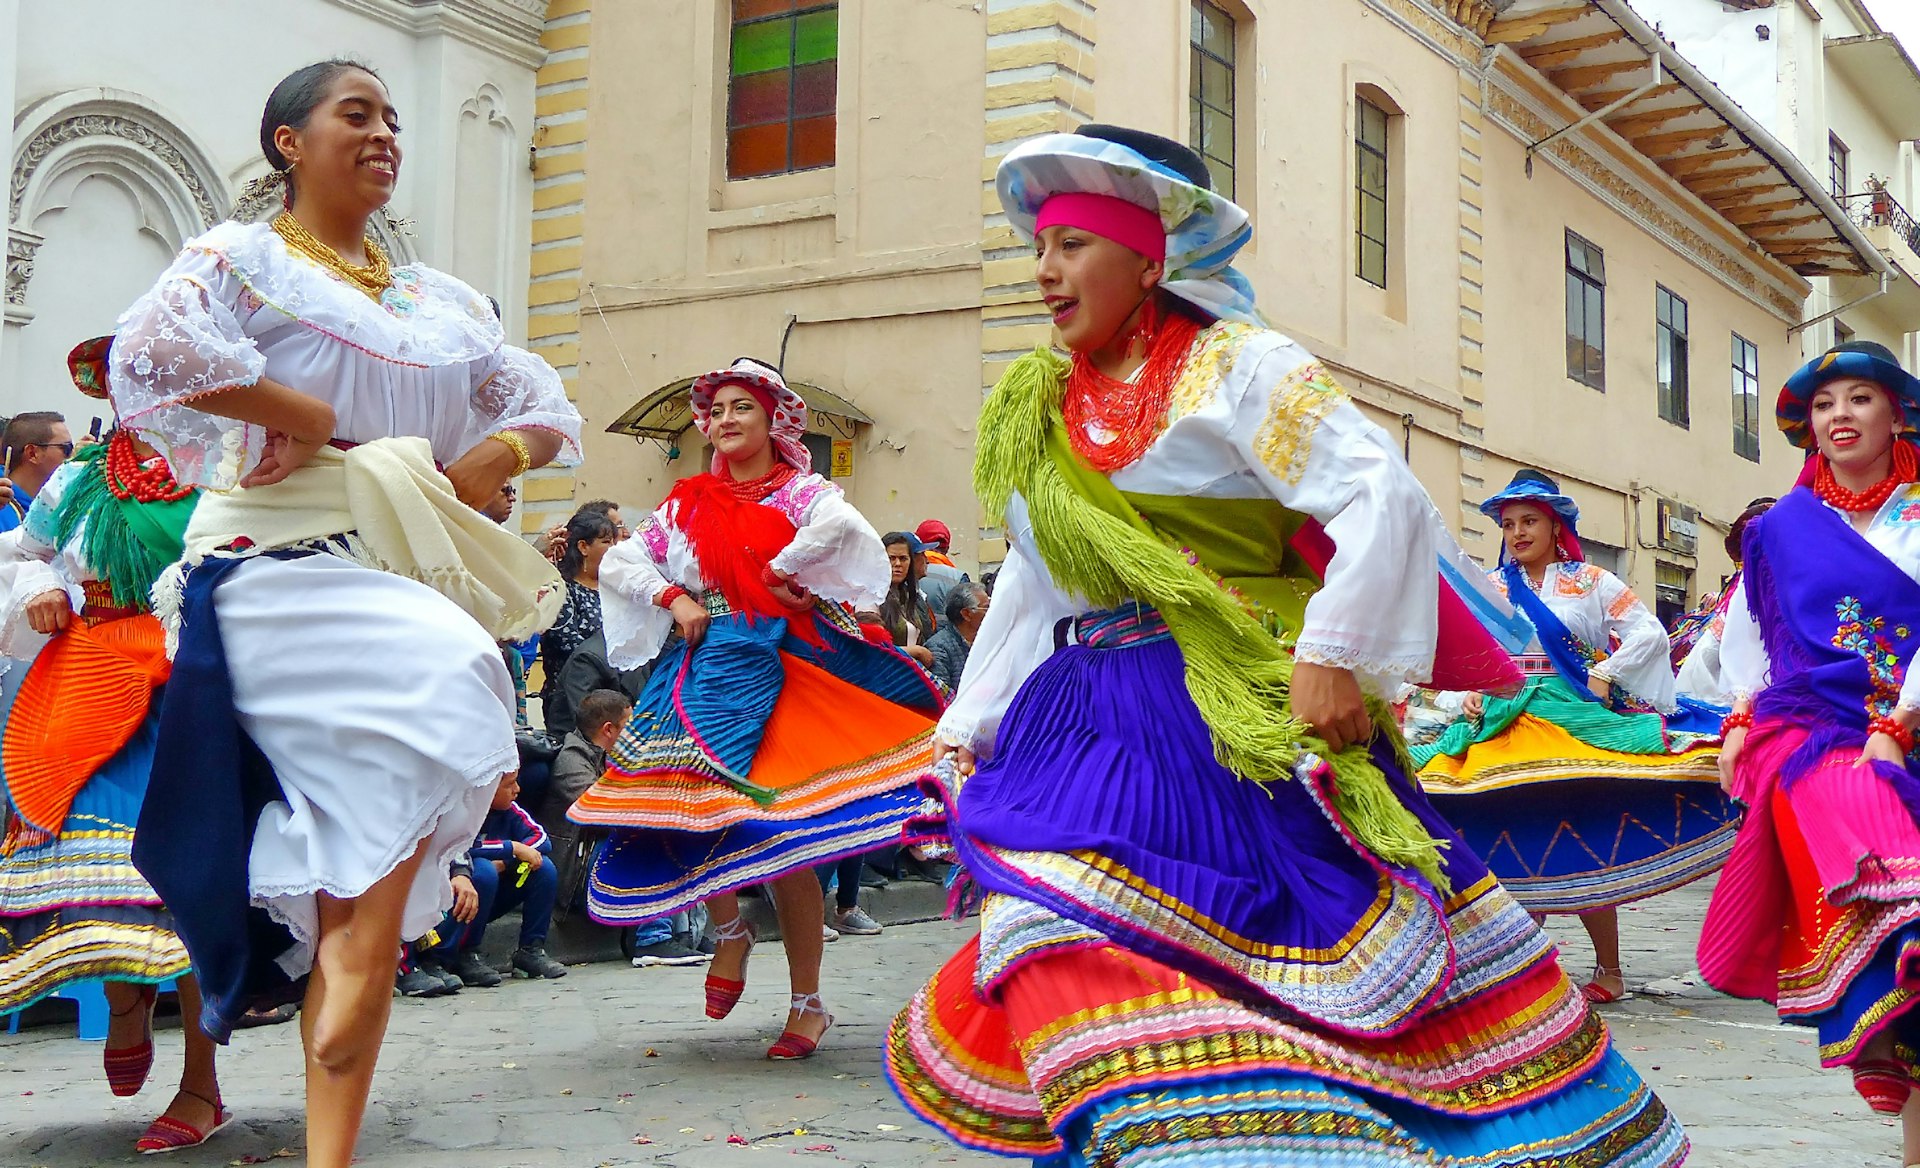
1284 441
1213 356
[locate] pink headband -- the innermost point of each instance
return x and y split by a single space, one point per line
1127 224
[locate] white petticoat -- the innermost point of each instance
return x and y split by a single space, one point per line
387 714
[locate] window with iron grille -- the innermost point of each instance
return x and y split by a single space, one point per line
1210 128
1837 153
782 86
1586 313
1670 357
1746 398
1370 192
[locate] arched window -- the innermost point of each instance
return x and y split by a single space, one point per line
1376 175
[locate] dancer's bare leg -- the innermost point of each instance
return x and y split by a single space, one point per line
199 1086
1603 928
729 955
348 1000
796 898
1910 1130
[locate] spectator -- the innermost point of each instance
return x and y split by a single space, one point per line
905 614
35 444
938 575
557 535
966 608
510 869
589 534
843 877
587 670
500 507
580 763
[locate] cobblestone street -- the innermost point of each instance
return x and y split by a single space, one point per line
615 1066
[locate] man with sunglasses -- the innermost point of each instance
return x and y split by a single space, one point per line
34 445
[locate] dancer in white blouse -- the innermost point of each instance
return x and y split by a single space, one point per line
340 714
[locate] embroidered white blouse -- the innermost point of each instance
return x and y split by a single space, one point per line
1254 416
835 554
1744 665
30 566
429 360
1599 608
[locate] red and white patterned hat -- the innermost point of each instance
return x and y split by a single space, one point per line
786 408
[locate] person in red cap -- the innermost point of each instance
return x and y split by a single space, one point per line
939 541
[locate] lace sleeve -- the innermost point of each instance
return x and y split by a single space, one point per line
27 570
1642 663
520 391
1745 668
836 553
178 343
632 577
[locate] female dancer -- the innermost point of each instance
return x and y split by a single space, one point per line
1221 925
339 715
79 744
772 737
1578 792
1818 910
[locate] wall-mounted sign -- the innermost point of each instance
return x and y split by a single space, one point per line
842 458
1679 526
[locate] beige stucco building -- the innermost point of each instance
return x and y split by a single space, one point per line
1404 231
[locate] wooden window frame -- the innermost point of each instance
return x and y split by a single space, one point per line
1198 103
1369 251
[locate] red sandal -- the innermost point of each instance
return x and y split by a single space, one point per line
1600 995
723 994
168 1134
790 1046
1883 1083
127 1069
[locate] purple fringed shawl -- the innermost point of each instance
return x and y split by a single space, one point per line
1839 620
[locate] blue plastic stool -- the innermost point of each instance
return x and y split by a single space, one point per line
91 998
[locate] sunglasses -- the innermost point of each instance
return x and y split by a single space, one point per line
65 448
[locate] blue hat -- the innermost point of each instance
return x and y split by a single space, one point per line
1531 486
1864 359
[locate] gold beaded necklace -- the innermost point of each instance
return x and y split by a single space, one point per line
372 278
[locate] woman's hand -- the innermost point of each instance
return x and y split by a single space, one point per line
1882 748
285 453
1600 688
1730 748
787 592
1328 699
919 653
50 611
963 760
691 618
1474 706
478 475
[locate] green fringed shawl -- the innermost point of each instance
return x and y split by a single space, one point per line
125 542
1238 673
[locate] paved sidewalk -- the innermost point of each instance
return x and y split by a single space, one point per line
571 1072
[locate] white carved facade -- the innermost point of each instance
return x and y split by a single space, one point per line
135 126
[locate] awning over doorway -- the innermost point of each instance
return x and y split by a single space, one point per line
664 414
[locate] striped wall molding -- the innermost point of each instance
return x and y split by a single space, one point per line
1040 71
559 222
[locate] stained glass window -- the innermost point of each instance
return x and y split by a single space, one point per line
783 74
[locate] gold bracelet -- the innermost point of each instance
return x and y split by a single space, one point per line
522 457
